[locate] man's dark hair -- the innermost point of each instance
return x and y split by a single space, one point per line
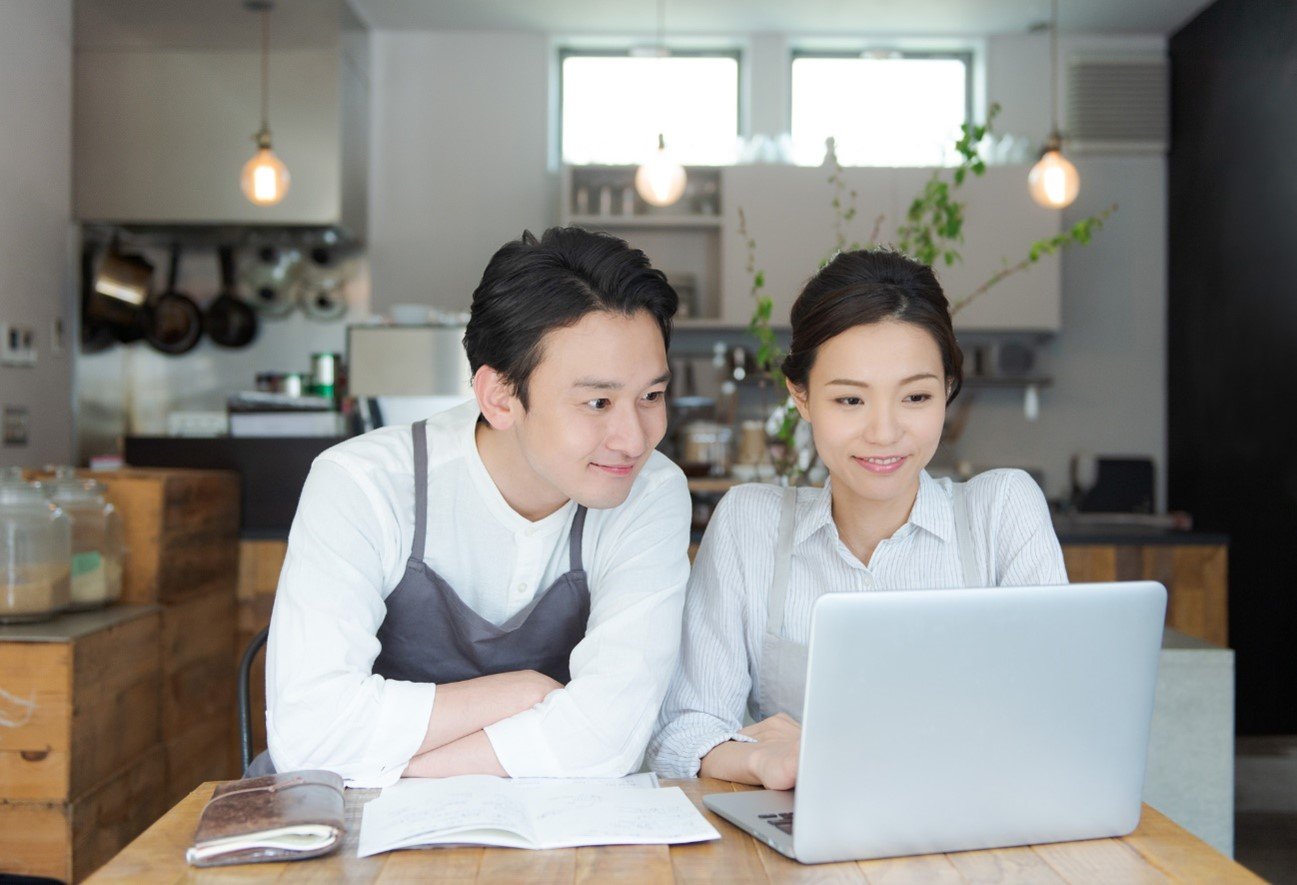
532 286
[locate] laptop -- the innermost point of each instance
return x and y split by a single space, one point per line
952 720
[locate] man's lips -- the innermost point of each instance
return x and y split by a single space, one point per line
613 469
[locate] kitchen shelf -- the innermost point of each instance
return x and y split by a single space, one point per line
1007 382
691 222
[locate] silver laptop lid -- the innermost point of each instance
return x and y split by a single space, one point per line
972 718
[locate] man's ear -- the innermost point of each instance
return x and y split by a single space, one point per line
799 399
496 398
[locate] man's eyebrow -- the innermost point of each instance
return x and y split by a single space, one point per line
605 384
851 383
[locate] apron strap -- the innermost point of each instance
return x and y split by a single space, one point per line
574 539
964 537
783 558
420 430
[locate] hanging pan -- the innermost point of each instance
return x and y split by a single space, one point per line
230 322
175 322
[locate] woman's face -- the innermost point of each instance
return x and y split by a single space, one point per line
876 402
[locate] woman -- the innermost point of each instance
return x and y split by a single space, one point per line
872 367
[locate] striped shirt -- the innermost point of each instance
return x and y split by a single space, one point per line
725 604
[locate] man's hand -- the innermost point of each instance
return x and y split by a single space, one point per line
462 708
771 762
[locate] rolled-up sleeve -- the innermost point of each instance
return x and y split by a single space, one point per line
325 708
705 701
598 725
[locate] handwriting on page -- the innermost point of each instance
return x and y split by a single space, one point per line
623 817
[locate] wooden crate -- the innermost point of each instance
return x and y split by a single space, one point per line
70 840
1196 577
259 565
81 700
198 705
182 531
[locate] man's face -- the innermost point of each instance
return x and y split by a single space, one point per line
596 406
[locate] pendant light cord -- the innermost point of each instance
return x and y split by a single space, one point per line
1053 66
265 69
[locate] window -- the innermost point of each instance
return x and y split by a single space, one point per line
614 106
881 108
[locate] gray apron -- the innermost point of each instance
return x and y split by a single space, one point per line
782 681
430 634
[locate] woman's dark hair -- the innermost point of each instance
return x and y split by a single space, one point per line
866 287
531 287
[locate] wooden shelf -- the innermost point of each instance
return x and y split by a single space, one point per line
691 222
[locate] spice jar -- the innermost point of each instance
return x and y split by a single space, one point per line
97 548
35 553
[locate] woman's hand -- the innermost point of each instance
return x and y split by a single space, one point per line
771 762
773 758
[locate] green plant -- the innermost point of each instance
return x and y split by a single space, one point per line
933 230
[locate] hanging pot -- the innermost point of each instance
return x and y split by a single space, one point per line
230 322
269 274
115 289
175 322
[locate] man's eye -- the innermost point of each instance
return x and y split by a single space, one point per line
599 404
655 396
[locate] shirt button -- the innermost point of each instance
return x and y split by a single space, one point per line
530 530
522 587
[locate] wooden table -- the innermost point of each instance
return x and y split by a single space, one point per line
1158 851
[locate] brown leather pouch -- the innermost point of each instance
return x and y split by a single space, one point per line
287 816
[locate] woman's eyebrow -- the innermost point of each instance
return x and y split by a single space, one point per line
851 383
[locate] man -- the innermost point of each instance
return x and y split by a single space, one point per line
498 589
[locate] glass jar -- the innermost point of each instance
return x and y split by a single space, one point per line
35 553
97 542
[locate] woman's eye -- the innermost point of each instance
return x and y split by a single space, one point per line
849 400
918 398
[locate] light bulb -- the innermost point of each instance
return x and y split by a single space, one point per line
1054 181
661 180
265 177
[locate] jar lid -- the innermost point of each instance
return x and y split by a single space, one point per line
19 493
73 489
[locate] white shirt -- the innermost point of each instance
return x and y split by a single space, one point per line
347 551
725 609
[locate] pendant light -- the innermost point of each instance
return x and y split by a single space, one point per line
1053 181
265 177
660 181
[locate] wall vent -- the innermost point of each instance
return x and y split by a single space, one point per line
1117 104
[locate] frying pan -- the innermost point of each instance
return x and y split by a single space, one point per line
175 322
230 322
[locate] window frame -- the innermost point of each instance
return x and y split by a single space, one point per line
566 52
968 56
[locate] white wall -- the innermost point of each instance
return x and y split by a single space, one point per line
460 138
35 187
459 158
1109 360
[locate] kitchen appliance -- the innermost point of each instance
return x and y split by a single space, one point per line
229 321
404 373
175 323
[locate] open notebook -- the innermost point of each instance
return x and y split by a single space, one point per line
485 810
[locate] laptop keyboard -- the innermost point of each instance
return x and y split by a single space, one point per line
783 821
